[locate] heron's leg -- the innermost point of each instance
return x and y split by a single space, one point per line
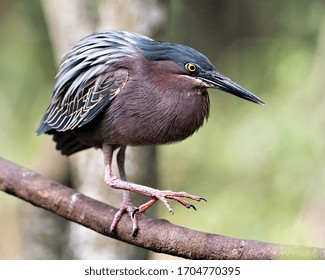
154 194
126 205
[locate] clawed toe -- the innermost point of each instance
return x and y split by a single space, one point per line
192 206
132 211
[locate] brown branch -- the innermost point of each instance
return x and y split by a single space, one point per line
156 235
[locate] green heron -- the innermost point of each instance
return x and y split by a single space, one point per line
117 88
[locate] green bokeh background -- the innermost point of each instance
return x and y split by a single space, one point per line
257 166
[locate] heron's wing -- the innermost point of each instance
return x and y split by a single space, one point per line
77 100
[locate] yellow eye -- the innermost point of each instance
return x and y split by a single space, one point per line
190 67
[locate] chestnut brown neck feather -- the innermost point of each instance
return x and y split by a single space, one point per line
165 109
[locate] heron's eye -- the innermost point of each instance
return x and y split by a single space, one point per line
190 67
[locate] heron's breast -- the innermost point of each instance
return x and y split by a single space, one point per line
160 121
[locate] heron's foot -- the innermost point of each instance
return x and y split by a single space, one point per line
163 196
126 206
154 194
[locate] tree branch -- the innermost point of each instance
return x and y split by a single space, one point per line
154 234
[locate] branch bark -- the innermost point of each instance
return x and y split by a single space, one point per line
156 235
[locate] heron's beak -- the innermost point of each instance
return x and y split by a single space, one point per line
218 81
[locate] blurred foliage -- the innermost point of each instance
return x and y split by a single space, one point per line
254 164
26 77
